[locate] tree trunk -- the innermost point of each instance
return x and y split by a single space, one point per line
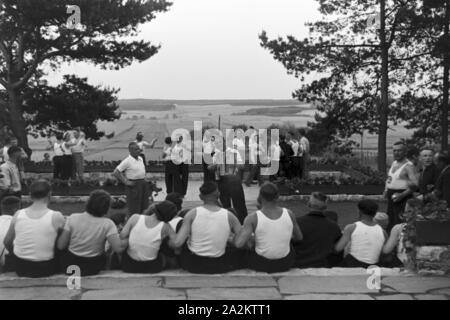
17 123
384 106
446 84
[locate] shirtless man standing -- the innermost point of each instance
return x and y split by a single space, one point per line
399 185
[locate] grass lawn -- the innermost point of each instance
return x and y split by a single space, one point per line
347 211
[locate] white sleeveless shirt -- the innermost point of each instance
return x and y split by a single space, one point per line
67 151
144 242
394 181
35 238
273 237
367 243
58 149
209 233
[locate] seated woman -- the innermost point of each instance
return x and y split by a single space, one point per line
395 241
85 235
206 230
367 238
146 233
274 228
32 235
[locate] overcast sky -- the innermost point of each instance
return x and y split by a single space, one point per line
210 50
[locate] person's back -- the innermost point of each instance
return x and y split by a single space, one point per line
365 237
88 234
273 233
32 234
274 228
9 206
35 234
367 242
209 232
320 234
85 236
145 239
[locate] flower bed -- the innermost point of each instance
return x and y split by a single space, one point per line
332 184
77 188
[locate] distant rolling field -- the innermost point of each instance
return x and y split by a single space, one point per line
159 124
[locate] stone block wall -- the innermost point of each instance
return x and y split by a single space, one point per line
426 241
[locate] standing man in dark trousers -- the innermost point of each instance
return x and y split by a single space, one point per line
209 147
172 177
296 159
227 165
181 157
286 154
400 184
254 160
429 173
131 172
11 178
443 183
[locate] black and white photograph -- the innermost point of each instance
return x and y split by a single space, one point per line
234 152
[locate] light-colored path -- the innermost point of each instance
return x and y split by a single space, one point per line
320 284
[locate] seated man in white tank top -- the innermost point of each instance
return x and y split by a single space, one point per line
274 228
206 231
366 238
33 233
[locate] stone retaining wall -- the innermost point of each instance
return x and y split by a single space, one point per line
428 249
332 198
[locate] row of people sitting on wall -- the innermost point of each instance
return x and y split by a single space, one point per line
40 242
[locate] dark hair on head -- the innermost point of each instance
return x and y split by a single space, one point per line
176 199
99 203
368 207
40 189
59 136
302 131
412 152
132 144
14 149
165 211
208 188
269 192
282 137
331 215
10 205
168 140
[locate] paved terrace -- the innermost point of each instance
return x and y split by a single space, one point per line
318 284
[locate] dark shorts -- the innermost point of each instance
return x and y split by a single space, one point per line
33 269
88 266
130 265
351 262
231 260
262 264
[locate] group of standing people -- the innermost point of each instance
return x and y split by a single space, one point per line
295 154
68 160
421 174
12 170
